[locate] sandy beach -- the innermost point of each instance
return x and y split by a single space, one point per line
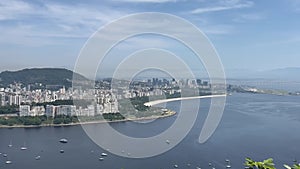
152 103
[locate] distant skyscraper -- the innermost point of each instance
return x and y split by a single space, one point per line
198 82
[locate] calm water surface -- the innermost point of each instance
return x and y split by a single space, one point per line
258 126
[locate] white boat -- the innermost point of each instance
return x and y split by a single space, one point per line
168 141
63 140
101 159
8 162
10 144
38 157
4 155
228 163
23 148
175 166
103 154
61 151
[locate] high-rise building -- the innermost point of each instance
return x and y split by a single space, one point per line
67 110
24 110
14 99
205 83
99 109
37 111
50 110
198 82
91 110
1 100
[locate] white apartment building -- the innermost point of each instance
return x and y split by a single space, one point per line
24 110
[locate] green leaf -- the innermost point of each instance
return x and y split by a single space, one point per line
296 166
266 164
287 167
268 161
249 162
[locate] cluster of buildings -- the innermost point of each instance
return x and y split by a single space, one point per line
16 94
67 110
105 99
190 83
24 98
158 87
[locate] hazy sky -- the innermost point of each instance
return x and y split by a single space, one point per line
262 34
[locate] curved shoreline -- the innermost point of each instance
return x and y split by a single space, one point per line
152 103
170 113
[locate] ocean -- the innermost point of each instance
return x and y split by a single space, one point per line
253 125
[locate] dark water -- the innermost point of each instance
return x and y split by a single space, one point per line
258 126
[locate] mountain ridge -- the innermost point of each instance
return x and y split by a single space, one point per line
46 76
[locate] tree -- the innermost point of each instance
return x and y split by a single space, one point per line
57 121
266 164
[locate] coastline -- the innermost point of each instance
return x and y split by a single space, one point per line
155 102
169 114
151 103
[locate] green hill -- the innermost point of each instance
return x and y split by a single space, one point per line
46 76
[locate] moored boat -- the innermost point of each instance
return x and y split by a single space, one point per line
63 140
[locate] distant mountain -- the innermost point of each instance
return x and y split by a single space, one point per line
289 73
46 76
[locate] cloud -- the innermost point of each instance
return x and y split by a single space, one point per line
218 29
146 1
295 5
80 14
53 11
249 17
30 22
14 9
225 5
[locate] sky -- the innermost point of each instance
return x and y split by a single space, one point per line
248 35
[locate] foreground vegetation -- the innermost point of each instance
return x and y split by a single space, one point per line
266 164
